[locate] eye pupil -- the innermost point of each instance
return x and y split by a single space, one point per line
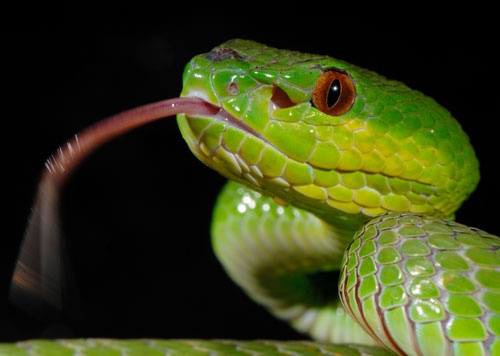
334 93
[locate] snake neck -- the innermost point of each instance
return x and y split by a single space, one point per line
287 260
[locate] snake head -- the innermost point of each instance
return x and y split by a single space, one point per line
325 135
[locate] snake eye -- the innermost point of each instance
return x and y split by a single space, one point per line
333 93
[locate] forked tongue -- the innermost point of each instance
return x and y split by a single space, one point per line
41 283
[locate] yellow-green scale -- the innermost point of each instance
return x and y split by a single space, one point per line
428 273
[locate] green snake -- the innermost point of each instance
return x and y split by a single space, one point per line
338 213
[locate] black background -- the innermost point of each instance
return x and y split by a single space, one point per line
137 213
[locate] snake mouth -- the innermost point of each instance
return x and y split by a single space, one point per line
223 115
278 100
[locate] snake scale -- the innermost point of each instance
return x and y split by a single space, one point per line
338 213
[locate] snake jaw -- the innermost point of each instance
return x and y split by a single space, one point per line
278 100
213 139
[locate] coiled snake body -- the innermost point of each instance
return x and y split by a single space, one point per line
338 213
